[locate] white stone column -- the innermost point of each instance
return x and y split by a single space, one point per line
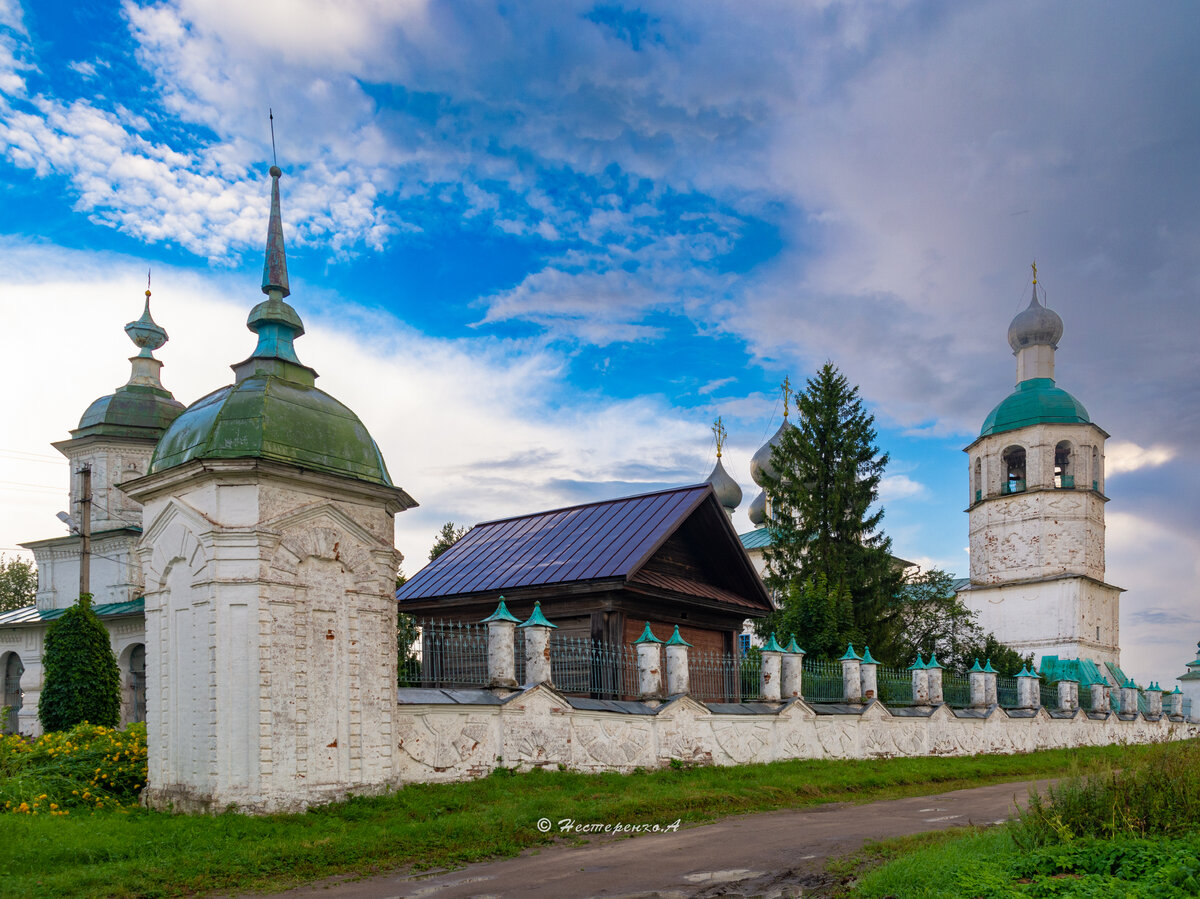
537 647
933 677
649 663
771 671
502 667
851 675
920 682
678 672
978 680
1099 697
1129 698
1176 706
868 676
1154 698
1028 696
990 685
1068 695
791 671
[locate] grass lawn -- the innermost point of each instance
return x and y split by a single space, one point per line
141 853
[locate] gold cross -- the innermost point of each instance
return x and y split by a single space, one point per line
786 387
1035 273
719 432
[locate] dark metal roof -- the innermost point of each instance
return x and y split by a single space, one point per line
34 615
597 541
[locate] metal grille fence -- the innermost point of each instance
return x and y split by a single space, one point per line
718 677
1085 697
956 689
1143 703
452 654
1049 695
592 668
1006 692
895 686
821 681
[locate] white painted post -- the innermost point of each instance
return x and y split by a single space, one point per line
1176 703
537 647
851 675
502 666
978 681
791 671
868 676
678 672
933 678
1099 697
1028 696
1068 695
649 662
990 686
920 682
1129 698
1155 699
771 672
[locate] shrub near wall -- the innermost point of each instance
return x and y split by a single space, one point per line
82 681
86 767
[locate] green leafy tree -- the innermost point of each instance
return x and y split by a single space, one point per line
81 678
824 522
446 538
18 584
1006 660
819 616
408 666
933 619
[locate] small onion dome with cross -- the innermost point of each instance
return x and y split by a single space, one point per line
761 467
729 494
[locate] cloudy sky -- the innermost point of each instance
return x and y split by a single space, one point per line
539 247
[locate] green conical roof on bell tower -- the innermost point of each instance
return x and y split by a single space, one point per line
273 410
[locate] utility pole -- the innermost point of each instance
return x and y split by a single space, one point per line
85 529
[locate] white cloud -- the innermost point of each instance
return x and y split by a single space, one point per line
473 429
714 386
894 487
12 16
1121 456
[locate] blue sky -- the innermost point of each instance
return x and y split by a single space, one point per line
540 246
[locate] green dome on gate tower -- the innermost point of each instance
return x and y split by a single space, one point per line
273 410
1036 401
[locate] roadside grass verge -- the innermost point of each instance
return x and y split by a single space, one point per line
1133 833
142 853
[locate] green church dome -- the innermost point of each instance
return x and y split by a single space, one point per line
1035 401
133 411
272 410
268 416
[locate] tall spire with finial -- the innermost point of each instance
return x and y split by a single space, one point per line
147 335
274 321
1034 335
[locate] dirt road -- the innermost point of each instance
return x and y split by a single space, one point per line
776 854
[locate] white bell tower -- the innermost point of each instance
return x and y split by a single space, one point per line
1036 480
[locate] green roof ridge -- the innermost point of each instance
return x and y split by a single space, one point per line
676 638
647 636
502 614
537 619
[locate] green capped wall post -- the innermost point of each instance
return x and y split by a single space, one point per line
867 675
770 674
993 694
1028 690
920 682
1068 692
537 647
649 663
977 678
851 675
791 671
502 668
678 673
1176 706
933 680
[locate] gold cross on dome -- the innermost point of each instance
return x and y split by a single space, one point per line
1035 273
786 387
720 433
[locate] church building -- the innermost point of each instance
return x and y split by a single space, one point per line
1036 512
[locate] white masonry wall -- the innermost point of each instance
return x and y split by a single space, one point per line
539 728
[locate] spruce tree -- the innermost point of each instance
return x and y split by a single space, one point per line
825 527
81 678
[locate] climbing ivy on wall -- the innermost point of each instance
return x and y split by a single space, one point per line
82 682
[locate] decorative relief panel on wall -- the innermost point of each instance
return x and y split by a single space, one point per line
441 742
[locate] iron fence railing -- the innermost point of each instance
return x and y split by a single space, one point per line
1143 702
1114 697
720 677
1006 692
1085 698
592 668
452 654
821 681
956 689
1049 695
895 686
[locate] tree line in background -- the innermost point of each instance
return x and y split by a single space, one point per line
830 563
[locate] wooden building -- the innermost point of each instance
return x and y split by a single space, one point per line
603 570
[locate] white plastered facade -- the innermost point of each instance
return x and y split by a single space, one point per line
270 635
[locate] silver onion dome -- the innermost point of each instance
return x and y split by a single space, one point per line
760 462
758 509
1035 326
726 488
